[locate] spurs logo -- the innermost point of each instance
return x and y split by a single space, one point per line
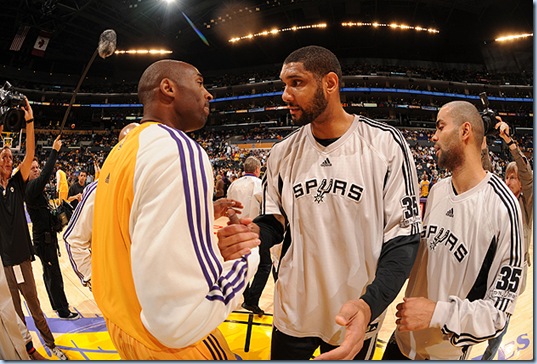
440 237
323 188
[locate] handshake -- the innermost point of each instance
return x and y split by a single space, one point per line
240 236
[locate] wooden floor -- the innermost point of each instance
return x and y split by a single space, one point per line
248 336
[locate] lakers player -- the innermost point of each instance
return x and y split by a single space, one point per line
158 276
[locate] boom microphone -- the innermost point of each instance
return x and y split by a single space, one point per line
107 46
107 43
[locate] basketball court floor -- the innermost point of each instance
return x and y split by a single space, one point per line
248 335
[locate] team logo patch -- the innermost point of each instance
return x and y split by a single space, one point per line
323 188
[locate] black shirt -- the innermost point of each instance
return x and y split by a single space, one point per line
37 202
75 189
15 243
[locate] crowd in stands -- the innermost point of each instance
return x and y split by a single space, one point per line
81 150
474 74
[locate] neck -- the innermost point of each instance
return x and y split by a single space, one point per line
332 125
467 177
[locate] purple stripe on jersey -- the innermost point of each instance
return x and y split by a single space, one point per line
78 210
203 242
198 246
206 243
73 263
231 283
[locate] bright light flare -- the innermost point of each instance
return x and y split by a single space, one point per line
506 38
275 31
144 51
391 25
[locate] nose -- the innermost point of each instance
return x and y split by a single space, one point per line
434 138
209 96
286 96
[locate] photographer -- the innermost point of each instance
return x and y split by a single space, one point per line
15 243
519 179
44 236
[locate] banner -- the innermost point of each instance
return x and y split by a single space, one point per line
19 38
41 44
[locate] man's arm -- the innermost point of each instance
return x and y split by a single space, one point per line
26 164
36 186
77 235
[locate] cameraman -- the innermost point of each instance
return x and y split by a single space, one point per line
44 236
15 243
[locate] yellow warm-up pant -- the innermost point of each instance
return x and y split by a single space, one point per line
212 347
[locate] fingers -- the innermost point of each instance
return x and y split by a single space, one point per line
232 215
236 240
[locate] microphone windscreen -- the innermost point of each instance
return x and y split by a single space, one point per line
107 43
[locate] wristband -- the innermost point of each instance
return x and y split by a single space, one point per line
511 142
30 121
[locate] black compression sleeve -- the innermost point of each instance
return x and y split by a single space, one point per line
395 263
270 230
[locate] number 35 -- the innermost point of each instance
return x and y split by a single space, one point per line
509 279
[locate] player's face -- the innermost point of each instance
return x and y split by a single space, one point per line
35 171
303 93
192 104
6 163
447 142
513 182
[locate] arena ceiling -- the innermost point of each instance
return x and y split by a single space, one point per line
466 26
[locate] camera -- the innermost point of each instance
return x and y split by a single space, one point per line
11 115
488 116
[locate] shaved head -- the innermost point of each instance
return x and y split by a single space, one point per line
153 75
462 112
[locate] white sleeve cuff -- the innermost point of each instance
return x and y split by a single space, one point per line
440 314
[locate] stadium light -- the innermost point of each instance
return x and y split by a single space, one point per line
513 37
275 31
144 51
394 26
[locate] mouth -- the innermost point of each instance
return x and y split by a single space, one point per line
293 110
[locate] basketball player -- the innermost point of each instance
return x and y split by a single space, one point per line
347 186
468 273
77 235
158 276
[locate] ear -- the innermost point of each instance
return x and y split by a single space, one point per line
167 87
331 82
466 130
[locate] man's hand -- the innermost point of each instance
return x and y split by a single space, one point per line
28 112
57 145
237 240
503 129
414 313
222 204
355 316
